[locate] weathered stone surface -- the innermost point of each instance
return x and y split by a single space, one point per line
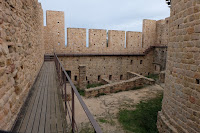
101 41
23 39
16 27
181 94
135 80
114 67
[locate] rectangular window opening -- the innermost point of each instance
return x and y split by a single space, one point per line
121 77
99 77
140 61
75 78
110 77
198 81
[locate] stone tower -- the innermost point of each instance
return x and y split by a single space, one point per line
54 32
181 103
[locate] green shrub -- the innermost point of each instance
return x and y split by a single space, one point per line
103 120
153 76
143 119
81 92
94 85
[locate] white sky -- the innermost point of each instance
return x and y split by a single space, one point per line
108 14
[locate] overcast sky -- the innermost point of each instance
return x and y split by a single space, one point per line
108 14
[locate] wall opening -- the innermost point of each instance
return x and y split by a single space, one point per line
140 61
125 41
69 74
107 39
58 43
110 77
75 78
121 77
131 62
86 77
87 38
99 77
198 81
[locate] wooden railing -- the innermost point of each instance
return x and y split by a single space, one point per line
70 110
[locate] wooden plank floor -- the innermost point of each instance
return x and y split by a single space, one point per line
43 111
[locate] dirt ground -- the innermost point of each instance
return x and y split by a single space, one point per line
105 108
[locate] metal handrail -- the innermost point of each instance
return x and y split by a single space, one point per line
62 74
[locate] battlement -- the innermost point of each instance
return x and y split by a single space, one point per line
101 41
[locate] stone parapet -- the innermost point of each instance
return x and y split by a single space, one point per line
119 86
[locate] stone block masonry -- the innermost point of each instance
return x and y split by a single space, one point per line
116 41
134 42
76 40
162 32
137 81
148 33
181 104
113 68
101 41
54 32
82 77
21 54
97 40
24 40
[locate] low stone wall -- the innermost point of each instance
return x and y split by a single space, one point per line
105 81
131 75
119 86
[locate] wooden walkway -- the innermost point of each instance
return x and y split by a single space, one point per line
43 110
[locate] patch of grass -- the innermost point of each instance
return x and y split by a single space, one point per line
143 119
153 76
112 123
94 85
86 129
134 88
103 120
81 92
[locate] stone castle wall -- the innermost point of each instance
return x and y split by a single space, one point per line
181 103
97 40
54 31
125 85
106 66
162 32
21 54
24 41
148 33
76 38
159 59
134 42
155 33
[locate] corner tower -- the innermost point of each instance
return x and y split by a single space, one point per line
181 103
